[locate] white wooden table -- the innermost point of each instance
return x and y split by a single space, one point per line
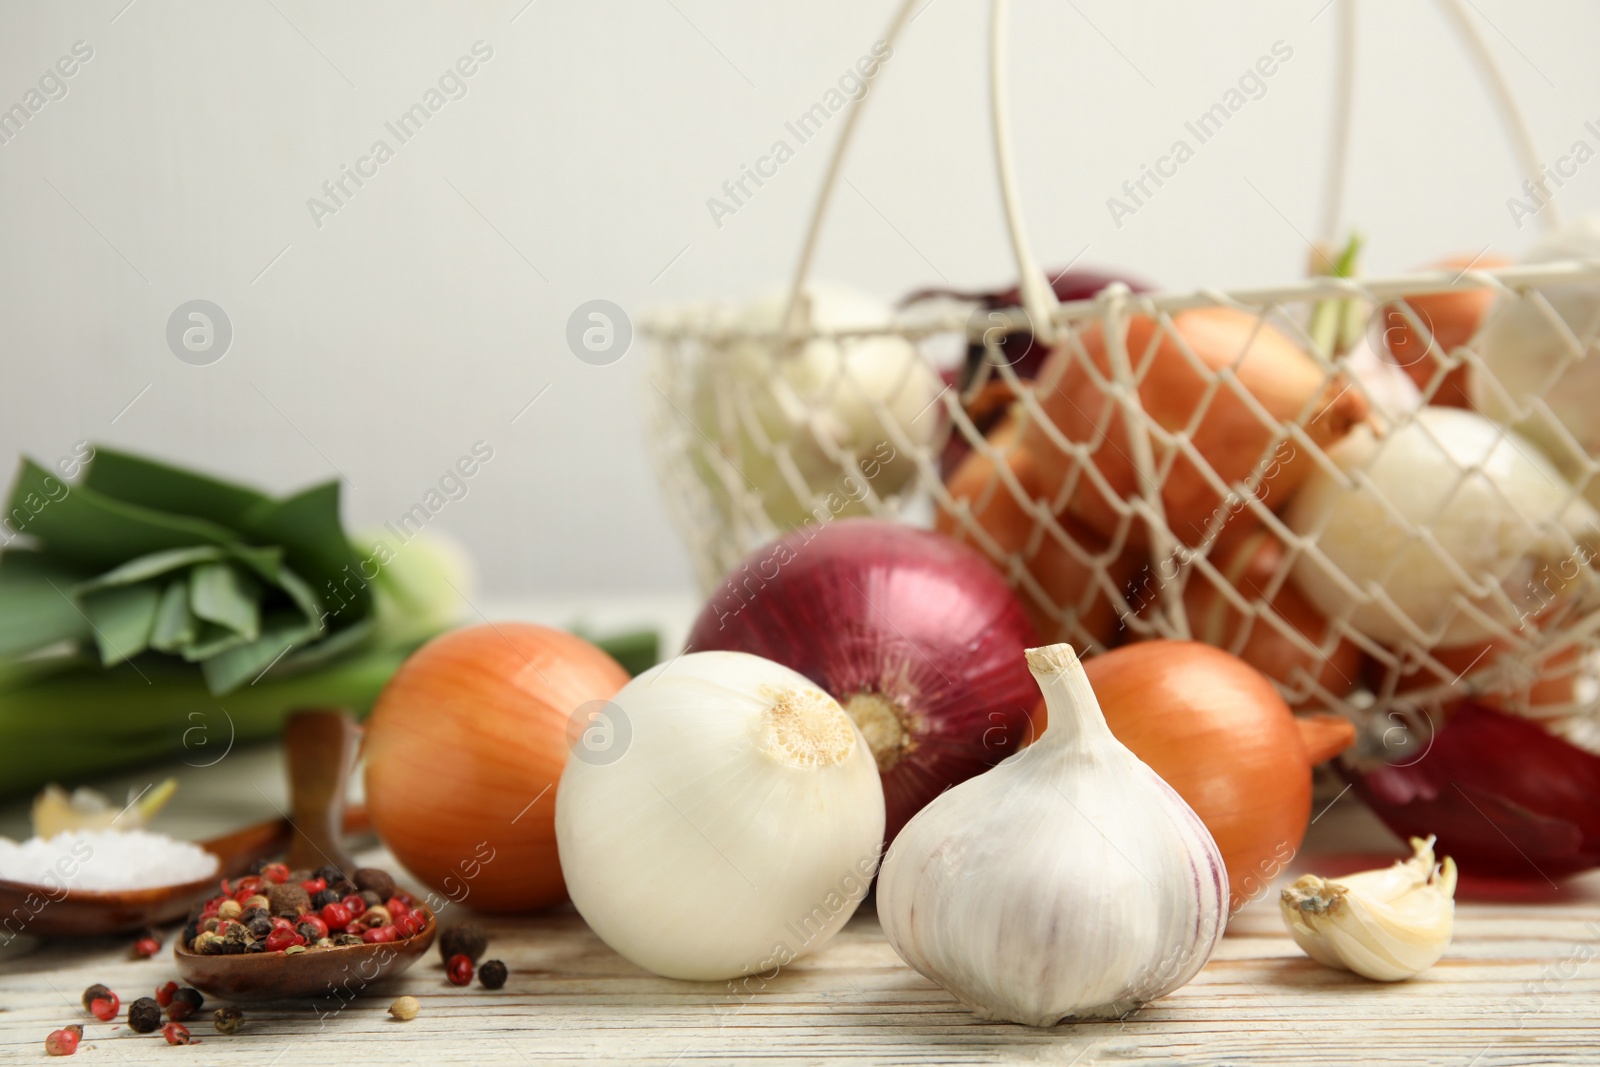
1520 985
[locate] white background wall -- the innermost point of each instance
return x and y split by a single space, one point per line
432 307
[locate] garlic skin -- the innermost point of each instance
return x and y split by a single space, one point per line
1068 882
1388 924
738 830
1496 507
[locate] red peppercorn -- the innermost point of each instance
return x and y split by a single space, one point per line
281 938
378 935
396 906
105 1008
62 1042
459 969
336 916
276 873
357 906
177 1034
313 886
146 947
409 924
211 909
164 993
314 920
249 885
280 923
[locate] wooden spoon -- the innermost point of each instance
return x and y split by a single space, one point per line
321 751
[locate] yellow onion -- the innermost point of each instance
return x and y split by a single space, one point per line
1233 440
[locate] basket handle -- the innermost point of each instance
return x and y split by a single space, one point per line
1512 119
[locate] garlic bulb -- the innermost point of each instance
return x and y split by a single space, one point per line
1488 502
1387 924
1529 358
836 414
738 828
1069 881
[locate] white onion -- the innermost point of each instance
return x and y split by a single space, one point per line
1504 522
858 396
1524 353
738 827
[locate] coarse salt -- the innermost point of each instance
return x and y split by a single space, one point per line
104 859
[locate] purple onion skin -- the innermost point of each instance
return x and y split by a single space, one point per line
1506 798
871 606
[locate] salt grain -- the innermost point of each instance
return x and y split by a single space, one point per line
104 859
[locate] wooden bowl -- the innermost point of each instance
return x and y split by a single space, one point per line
340 971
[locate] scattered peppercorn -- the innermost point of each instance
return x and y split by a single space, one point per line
375 879
288 900
459 969
185 1002
63 1042
178 1034
105 1008
144 1015
94 993
464 940
492 974
405 1009
164 993
227 1020
146 946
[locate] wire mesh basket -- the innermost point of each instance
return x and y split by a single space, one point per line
1385 517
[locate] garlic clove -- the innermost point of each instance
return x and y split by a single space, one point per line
1388 924
1069 881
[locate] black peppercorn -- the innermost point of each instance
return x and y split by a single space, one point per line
309 932
185 1002
492 974
375 879
259 927
344 887
227 1020
464 940
256 946
329 874
94 993
288 900
144 1015
191 931
324 898
259 866
373 900
349 939
249 914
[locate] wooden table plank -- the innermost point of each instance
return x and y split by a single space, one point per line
1520 986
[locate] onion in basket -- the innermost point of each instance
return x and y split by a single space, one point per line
1237 353
832 415
1061 592
1447 497
1452 317
1529 358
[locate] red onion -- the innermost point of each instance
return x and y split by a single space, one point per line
1505 797
916 635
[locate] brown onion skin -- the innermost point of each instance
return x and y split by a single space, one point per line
1281 377
871 606
473 727
1218 732
1452 317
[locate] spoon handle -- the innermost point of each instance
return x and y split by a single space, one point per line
321 748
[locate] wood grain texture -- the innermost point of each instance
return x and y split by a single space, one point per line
1519 986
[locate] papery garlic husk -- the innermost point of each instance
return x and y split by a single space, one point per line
811 425
738 828
1387 924
1068 882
